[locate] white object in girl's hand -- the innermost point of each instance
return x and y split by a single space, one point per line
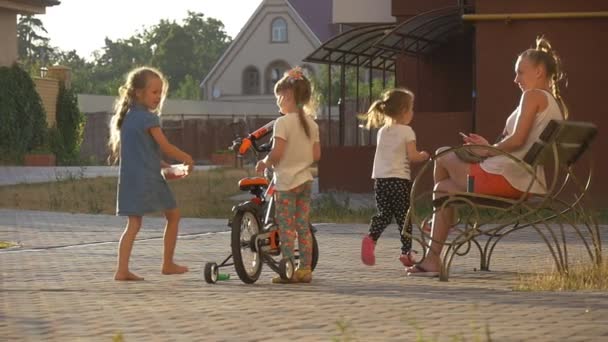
176 171
463 135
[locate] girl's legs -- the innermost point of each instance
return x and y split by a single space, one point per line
285 213
170 240
124 249
293 211
450 175
302 220
402 205
384 189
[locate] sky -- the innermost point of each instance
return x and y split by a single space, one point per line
82 25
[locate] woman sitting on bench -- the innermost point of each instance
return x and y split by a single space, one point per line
537 73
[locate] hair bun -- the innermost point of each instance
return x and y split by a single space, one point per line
542 44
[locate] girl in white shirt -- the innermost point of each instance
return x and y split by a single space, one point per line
395 149
295 147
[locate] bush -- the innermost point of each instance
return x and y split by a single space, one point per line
22 116
70 128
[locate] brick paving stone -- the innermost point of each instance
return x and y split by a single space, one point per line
67 293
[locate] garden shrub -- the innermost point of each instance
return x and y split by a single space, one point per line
70 128
23 126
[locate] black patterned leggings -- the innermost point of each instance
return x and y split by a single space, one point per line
392 200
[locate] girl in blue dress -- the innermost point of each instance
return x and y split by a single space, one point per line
136 140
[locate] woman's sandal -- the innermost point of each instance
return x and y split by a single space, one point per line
418 271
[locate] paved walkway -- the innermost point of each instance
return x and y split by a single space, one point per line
58 287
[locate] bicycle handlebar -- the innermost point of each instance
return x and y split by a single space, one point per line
242 145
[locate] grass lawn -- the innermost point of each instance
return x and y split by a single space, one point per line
204 194
582 276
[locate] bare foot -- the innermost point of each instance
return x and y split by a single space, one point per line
423 267
174 269
127 276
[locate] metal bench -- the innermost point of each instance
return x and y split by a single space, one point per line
482 220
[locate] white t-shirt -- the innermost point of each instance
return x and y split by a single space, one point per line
391 160
516 175
294 167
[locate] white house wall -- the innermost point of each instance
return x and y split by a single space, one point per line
8 37
254 48
172 108
362 11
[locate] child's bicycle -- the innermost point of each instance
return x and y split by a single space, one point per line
254 233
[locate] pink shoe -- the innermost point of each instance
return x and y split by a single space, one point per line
408 259
368 245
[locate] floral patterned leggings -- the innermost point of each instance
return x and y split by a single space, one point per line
293 210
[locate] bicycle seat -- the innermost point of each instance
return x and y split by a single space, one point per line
248 183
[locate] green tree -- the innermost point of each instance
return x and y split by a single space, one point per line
22 116
114 61
210 41
82 76
320 81
179 50
32 45
70 126
188 89
174 55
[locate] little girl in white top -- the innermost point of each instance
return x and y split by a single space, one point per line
395 149
295 147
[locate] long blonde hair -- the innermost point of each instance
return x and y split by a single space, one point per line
392 104
303 93
137 79
544 54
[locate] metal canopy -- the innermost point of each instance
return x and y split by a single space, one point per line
356 48
376 46
422 33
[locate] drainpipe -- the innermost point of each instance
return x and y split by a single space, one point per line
527 16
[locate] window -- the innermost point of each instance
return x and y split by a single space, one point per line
251 81
278 31
274 72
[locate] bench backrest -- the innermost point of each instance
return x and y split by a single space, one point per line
572 138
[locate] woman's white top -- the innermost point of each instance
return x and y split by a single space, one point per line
391 160
515 174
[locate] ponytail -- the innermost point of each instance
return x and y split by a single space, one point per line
303 122
543 53
120 110
394 103
375 116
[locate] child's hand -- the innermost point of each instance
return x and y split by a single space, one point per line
260 166
189 163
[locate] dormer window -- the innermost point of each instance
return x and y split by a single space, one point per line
278 31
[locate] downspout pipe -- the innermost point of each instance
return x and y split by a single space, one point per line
532 16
